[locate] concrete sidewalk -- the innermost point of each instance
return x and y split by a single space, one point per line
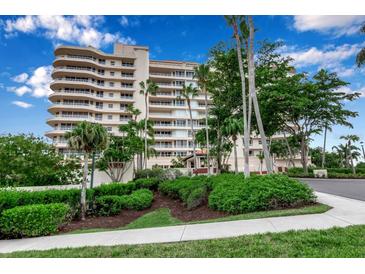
345 212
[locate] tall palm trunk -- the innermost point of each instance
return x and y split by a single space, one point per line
246 168
252 88
145 132
84 186
235 154
324 147
192 133
207 129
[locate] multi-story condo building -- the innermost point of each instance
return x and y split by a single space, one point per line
91 85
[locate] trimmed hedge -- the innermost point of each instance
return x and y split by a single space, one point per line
192 191
112 204
114 189
33 220
139 199
12 198
260 193
148 183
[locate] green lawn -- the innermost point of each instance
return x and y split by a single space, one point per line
162 217
335 242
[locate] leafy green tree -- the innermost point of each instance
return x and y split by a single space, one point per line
147 88
26 160
188 93
360 57
333 159
201 73
88 138
232 127
304 107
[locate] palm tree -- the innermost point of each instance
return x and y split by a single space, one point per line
147 88
88 138
237 21
360 57
202 73
252 91
188 93
350 139
233 127
135 113
341 151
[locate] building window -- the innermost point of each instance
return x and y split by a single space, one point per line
98 117
110 105
111 94
111 84
110 117
112 73
109 128
112 63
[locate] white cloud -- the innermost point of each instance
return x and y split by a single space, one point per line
329 57
37 85
39 81
335 25
21 78
22 104
20 91
82 30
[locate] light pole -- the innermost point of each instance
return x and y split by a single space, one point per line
362 147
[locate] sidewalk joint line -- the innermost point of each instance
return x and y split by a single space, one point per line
182 234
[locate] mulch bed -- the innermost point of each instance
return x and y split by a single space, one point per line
177 208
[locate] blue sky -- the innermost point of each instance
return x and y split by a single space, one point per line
27 44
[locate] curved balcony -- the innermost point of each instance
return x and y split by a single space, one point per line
62 71
87 95
62 60
85 107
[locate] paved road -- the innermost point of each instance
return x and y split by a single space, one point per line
350 188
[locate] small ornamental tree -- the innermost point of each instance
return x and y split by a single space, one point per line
119 156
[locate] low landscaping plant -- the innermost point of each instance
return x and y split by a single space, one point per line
339 173
193 191
260 193
114 189
159 173
109 205
139 199
13 198
148 183
33 220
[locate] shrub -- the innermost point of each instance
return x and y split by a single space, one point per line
12 198
159 173
33 220
192 191
149 173
112 204
114 189
260 193
149 183
139 199
108 205
197 197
